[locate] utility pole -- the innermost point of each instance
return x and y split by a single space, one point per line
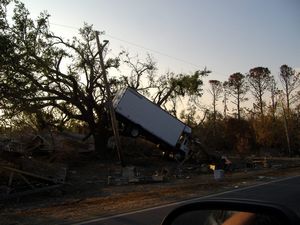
114 121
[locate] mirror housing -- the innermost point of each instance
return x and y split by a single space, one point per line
282 214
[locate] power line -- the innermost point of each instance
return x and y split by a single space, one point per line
141 47
152 50
136 45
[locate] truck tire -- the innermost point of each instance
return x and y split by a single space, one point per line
134 132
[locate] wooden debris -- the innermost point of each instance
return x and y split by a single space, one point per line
29 177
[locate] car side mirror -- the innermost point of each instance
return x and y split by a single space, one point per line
231 212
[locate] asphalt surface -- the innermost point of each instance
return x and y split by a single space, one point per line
285 192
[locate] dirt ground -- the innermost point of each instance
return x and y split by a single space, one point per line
87 193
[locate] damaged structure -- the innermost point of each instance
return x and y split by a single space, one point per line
22 169
27 176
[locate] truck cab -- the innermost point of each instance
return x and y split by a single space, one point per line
184 140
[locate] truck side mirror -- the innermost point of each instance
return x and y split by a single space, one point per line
231 212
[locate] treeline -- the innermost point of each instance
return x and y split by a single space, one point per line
49 82
270 125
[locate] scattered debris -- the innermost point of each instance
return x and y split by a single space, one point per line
131 175
22 172
219 175
48 142
32 164
11 145
28 176
261 163
264 178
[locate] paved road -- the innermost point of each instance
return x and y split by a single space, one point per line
280 191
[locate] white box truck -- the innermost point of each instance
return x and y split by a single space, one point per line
143 117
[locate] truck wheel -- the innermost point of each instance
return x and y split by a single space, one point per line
134 132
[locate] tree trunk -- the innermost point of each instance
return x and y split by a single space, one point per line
100 141
215 116
287 133
261 105
238 108
161 101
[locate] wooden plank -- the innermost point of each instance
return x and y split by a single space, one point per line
26 181
11 177
31 174
29 192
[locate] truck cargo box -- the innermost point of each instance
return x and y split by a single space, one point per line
146 115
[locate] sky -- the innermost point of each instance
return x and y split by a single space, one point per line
224 36
183 36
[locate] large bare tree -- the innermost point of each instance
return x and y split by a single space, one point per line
39 70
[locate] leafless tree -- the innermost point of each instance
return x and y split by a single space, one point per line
290 81
141 73
274 95
238 89
259 80
215 91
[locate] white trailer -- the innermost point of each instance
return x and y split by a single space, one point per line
144 116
